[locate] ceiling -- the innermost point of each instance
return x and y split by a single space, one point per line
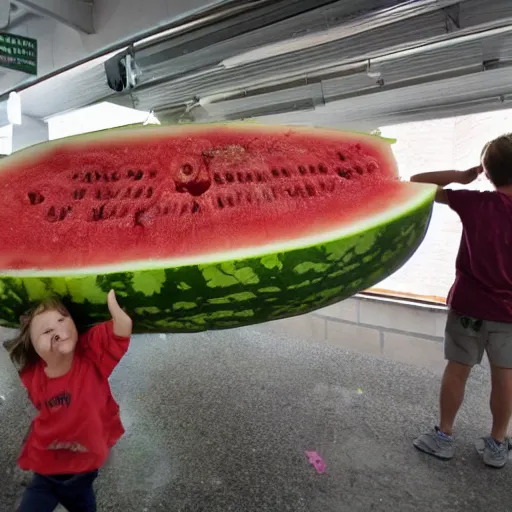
16 15
361 63
74 13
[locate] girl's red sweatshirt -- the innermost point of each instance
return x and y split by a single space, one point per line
78 419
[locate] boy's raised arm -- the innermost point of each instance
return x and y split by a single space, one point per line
444 178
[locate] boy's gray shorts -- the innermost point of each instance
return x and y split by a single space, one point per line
467 338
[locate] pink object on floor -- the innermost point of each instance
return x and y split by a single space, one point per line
317 461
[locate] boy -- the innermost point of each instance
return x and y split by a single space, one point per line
480 300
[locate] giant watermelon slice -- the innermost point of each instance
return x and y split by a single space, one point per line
203 227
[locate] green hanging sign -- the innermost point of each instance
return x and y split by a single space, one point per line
18 53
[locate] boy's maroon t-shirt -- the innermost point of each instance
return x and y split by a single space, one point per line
483 281
78 419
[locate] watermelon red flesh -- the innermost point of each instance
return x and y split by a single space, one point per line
153 194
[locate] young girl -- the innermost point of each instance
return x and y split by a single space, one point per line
66 376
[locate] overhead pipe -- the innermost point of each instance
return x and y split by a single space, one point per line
443 75
444 110
277 85
373 90
479 32
357 68
496 99
307 104
489 102
316 75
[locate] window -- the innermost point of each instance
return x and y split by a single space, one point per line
450 143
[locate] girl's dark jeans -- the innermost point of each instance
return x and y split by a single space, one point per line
74 492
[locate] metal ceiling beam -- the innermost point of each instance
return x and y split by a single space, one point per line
77 14
208 15
365 22
315 60
344 113
272 14
258 92
421 80
312 76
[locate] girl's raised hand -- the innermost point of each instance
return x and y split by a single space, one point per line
122 322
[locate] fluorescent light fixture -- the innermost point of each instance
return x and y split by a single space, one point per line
364 23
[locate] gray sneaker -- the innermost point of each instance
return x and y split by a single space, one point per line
494 454
436 443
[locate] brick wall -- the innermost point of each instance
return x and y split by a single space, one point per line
399 330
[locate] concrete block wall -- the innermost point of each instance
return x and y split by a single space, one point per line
400 330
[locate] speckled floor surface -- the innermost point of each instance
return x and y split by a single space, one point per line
219 422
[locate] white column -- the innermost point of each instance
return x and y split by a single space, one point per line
31 131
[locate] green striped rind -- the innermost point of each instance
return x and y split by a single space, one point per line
232 293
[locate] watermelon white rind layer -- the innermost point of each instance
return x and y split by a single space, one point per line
236 287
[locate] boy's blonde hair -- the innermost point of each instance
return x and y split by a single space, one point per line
21 351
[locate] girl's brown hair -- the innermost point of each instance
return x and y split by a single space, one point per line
21 351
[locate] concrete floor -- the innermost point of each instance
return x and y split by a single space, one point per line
219 422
